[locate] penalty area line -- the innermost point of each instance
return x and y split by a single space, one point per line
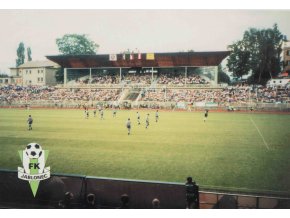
265 143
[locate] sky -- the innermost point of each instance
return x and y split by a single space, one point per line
118 30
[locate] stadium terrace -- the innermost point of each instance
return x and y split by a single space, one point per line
143 64
180 80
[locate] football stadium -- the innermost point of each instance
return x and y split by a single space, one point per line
147 130
240 151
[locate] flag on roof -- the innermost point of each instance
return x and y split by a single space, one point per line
150 56
113 57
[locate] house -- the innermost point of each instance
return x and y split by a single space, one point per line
4 80
35 73
286 58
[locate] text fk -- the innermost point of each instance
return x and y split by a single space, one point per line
34 165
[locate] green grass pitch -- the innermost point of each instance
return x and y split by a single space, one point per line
231 151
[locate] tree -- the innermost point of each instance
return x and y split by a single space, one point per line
238 62
20 54
74 44
29 58
257 54
222 76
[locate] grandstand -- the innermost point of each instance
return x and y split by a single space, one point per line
186 80
166 79
183 68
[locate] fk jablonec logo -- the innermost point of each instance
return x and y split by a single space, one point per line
33 159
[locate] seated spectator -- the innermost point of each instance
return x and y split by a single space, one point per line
178 79
51 191
90 201
155 203
226 202
124 202
67 202
139 79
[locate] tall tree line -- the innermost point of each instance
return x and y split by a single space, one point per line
257 55
21 54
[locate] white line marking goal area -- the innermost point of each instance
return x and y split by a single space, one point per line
265 143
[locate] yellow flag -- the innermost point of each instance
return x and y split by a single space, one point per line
150 56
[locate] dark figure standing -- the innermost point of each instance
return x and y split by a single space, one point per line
191 194
138 118
29 122
114 112
205 115
128 125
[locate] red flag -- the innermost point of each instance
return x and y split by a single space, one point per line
139 56
131 56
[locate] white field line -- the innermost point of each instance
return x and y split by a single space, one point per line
265 143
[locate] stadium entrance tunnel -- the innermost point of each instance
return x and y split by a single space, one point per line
107 192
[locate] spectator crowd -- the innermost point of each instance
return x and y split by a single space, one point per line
233 94
14 93
170 79
180 80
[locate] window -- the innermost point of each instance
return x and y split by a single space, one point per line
38 71
288 63
26 71
41 71
288 52
29 71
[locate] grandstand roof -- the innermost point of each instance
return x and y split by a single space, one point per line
175 59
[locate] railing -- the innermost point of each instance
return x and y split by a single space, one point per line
140 85
285 107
